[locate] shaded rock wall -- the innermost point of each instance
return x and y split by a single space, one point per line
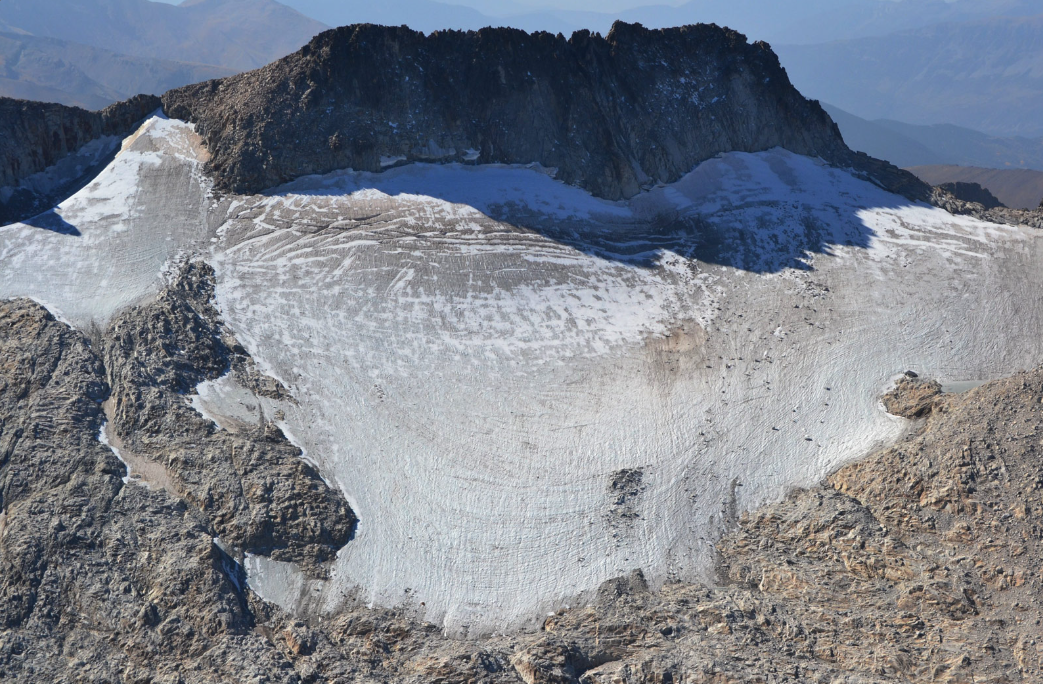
35 136
612 114
972 192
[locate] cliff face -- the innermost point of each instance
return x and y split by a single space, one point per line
612 114
35 136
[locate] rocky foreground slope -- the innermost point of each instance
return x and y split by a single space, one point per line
919 563
611 114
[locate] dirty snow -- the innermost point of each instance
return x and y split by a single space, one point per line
476 350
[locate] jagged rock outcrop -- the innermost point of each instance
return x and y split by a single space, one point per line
612 114
972 192
35 136
251 483
912 396
940 197
101 581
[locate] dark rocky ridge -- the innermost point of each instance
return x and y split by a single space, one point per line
37 135
612 114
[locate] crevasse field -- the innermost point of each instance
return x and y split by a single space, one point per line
523 390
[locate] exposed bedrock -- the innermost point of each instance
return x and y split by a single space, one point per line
611 114
100 581
257 492
972 192
36 136
961 202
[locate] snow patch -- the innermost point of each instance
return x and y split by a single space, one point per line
103 437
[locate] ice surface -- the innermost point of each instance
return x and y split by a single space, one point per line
106 246
478 351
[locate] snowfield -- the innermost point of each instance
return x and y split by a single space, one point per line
523 390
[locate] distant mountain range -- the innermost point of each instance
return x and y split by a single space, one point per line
51 70
907 145
985 75
781 21
235 34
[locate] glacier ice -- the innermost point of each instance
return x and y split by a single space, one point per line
478 352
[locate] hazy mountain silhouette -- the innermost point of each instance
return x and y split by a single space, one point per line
776 21
235 34
51 70
1016 188
906 145
985 75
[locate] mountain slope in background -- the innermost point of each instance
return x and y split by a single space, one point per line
51 70
906 145
986 75
235 34
880 142
817 21
419 15
1016 188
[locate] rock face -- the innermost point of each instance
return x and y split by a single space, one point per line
611 114
100 580
37 135
258 493
945 199
912 397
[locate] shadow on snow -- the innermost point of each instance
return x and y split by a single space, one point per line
759 234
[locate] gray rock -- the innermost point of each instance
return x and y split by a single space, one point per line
972 192
100 581
258 495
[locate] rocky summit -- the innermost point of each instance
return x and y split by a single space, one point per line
611 114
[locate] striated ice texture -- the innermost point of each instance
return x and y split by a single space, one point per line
524 391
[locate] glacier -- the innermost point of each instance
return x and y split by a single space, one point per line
523 390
